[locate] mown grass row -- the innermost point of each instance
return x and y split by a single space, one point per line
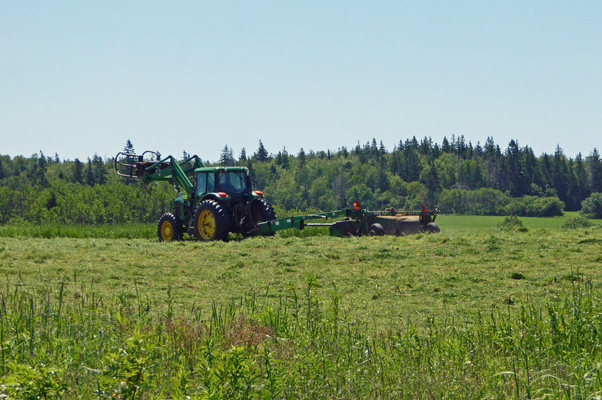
79 231
302 347
453 223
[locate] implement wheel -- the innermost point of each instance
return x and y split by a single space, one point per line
211 221
376 230
170 228
432 228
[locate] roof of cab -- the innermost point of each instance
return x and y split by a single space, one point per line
222 169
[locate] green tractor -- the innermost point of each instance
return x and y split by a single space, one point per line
211 202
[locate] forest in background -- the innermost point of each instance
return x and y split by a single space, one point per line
456 176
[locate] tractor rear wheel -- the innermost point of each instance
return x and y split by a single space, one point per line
211 221
170 228
262 211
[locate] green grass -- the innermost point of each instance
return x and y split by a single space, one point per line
461 223
472 312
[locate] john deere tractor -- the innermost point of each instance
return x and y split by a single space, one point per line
211 202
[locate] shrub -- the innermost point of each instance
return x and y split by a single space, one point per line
512 223
517 207
577 222
532 206
474 202
592 205
494 202
545 207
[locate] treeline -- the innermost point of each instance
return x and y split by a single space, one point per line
456 176
40 188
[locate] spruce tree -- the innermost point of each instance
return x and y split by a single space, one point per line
595 170
90 180
129 147
226 158
262 154
78 171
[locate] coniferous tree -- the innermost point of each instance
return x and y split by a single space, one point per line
478 150
78 171
383 178
374 149
262 154
560 175
581 179
129 147
595 170
98 170
426 146
432 182
38 169
436 152
515 177
543 174
301 158
89 174
445 147
529 165
282 159
226 158
411 164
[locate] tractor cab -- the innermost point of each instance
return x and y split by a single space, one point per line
234 181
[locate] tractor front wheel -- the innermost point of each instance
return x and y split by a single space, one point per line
170 228
211 221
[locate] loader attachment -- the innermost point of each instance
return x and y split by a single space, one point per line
135 165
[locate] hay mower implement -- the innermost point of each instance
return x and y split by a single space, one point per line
358 222
215 201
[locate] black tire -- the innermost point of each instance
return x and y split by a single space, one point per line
432 228
170 228
262 211
211 222
376 230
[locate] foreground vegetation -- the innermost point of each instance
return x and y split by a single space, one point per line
474 312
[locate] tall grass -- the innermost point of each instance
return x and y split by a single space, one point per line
302 347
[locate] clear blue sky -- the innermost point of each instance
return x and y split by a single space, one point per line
81 77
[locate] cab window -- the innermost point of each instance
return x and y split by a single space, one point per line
205 183
232 182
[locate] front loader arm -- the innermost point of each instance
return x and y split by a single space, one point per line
178 173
